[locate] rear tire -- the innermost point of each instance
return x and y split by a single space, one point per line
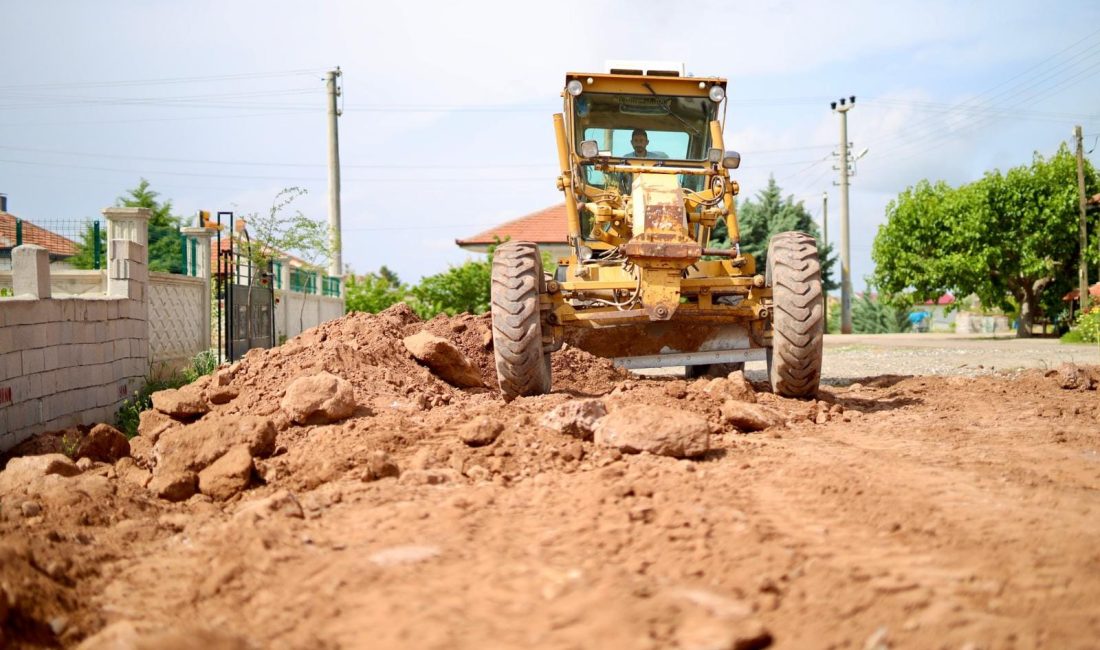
523 368
794 274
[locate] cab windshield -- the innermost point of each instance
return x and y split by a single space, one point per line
640 127
676 128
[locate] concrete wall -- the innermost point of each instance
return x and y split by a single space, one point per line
178 319
297 312
68 282
67 361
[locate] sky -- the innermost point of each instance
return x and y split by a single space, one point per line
447 107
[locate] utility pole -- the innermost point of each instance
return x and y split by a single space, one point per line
842 106
336 260
1083 270
825 246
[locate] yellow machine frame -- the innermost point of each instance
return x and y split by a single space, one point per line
671 264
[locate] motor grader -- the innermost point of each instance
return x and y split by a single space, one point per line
643 283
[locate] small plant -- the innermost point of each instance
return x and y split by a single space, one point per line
70 443
129 414
202 364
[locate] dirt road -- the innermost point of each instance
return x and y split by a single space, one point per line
920 512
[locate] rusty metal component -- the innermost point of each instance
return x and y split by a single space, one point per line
758 280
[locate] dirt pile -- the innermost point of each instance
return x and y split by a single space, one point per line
335 485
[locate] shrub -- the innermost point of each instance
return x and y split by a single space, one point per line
1087 327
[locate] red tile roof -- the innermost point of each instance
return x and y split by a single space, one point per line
945 299
57 245
1094 291
547 226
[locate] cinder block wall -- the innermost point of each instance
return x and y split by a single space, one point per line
67 361
73 360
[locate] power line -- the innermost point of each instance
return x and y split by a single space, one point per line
423 180
164 81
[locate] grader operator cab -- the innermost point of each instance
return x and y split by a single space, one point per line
645 175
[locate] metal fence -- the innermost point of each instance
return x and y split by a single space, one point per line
76 243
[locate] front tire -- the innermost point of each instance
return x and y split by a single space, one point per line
523 368
798 316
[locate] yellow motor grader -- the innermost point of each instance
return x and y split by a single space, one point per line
645 175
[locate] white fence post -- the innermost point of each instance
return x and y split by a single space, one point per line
30 271
128 252
197 264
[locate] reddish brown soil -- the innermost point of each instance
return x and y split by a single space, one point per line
926 512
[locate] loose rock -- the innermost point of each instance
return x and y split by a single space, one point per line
749 417
444 359
656 429
382 466
104 443
194 447
22 471
228 475
183 404
318 399
174 485
576 418
480 431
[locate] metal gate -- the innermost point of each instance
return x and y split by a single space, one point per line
247 320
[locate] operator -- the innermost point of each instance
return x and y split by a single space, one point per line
640 140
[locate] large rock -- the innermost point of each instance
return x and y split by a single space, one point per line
318 399
444 359
749 417
25 470
173 485
152 423
480 431
196 446
228 475
656 429
129 471
183 404
576 418
104 443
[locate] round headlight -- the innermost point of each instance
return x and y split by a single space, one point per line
717 93
574 87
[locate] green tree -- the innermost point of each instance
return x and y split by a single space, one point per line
1010 238
277 232
462 288
769 215
165 253
374 292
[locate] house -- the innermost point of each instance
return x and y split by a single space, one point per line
549 228
59 246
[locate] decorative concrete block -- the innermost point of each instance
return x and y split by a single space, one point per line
30 271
